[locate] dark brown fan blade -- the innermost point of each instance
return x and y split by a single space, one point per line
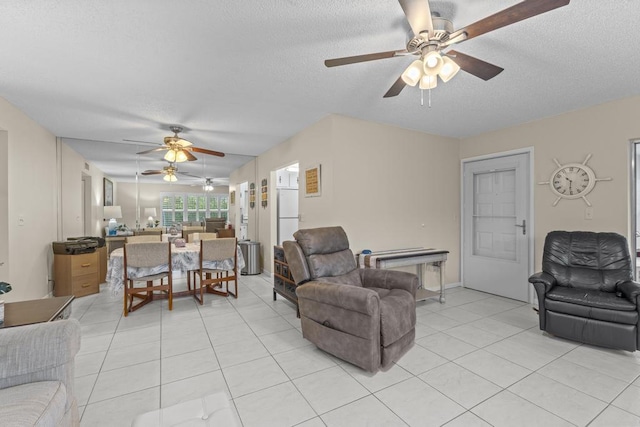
475 66
511 15
190 157
150 172
396 88
418 14
363 58
205 151
153 149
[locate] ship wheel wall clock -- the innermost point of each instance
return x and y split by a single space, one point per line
573 181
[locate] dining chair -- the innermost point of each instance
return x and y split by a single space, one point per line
144 238
146 262
194 237
219 257
227 232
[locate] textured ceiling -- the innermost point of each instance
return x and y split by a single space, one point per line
242 76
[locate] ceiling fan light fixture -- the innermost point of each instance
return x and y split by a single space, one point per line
170 156
432 63
428 82
413 73
180 156
449 69
170 178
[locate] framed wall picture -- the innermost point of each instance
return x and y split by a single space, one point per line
233 197
312 182
108 192
263 189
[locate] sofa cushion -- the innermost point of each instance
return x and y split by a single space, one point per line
587 260
590 298
606 315
397 314
40 403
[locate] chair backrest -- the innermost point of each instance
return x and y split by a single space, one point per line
587 260
147 254
208 236
226 232
217 249
144 238
192 237
320 253
214 224
148 231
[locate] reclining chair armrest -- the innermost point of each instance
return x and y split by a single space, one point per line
39 352
544 279
389 279
542 282
349 297
631 290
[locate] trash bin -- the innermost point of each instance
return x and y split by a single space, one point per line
251 255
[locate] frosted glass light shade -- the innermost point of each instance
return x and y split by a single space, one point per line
170 156
180 156
170 178
428 82
432 63
412 74
449 69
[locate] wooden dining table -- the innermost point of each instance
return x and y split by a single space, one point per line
183 259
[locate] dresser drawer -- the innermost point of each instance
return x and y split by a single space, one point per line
84 264
84 285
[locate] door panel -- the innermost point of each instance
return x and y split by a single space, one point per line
495 206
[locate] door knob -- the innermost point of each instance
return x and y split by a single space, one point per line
523 226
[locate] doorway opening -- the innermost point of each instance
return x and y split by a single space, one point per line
87 226
242 222
287 202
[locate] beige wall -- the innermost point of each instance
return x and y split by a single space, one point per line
605 132
31 194
377 182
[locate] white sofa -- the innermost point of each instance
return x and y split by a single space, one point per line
37 374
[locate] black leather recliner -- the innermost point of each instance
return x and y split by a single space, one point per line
586 290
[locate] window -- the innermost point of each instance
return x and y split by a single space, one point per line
183 207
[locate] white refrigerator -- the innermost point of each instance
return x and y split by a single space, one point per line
287 213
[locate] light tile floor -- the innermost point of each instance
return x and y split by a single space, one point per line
479 360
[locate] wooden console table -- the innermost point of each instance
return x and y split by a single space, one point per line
36 311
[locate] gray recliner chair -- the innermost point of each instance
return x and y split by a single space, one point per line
586 290
364 316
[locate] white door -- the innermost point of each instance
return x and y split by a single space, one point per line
497 225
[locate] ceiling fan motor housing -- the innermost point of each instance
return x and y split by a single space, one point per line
442 28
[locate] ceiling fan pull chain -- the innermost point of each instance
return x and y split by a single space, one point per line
421 98
429 97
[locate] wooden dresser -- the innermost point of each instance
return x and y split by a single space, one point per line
76 275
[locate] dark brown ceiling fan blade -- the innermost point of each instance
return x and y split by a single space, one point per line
205 151
475 66
363 58
150 172
418 14
190 157
153 149
396 88
511 15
